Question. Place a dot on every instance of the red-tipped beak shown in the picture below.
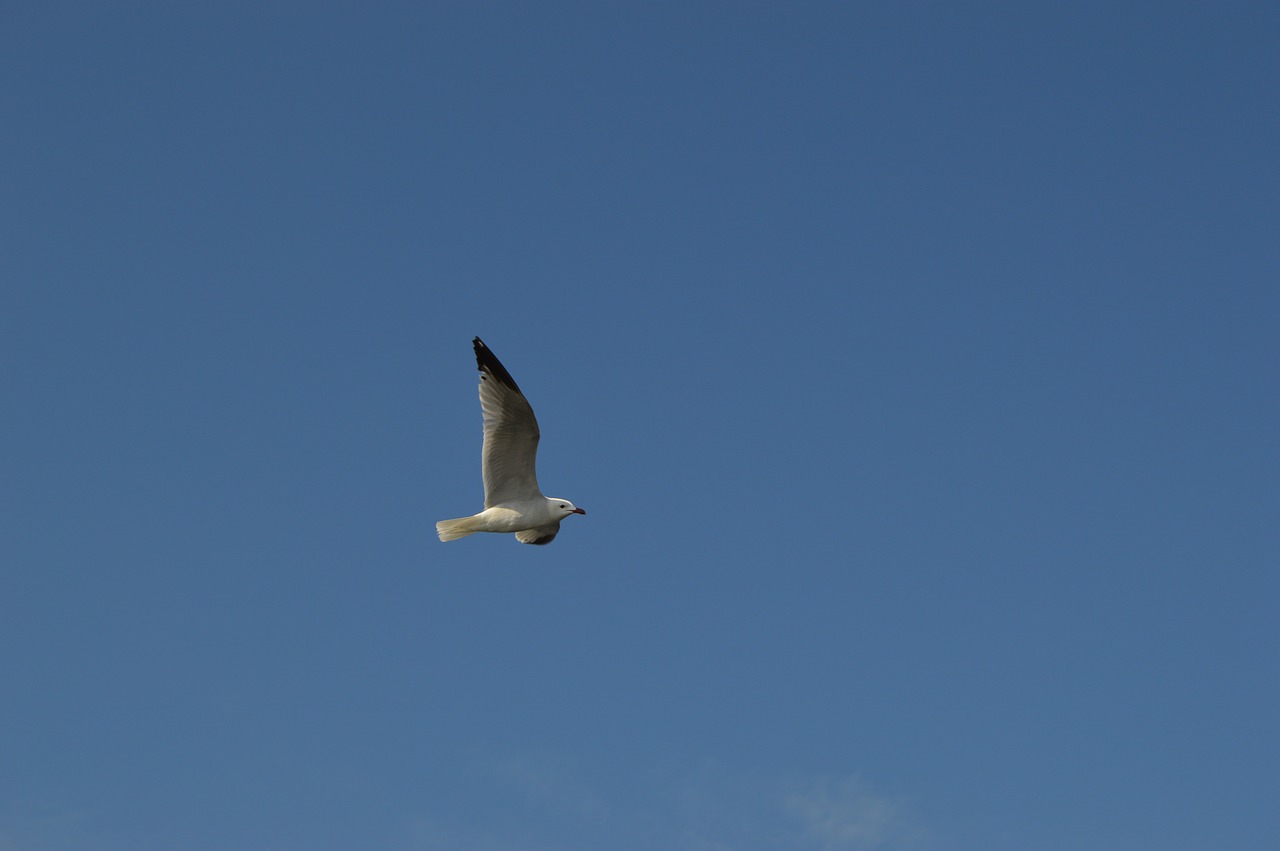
(579, 511)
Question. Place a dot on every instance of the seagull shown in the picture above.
(512, 501)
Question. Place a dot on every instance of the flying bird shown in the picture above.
(512, 501)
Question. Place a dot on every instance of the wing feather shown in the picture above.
(510, 434)
(541, 535)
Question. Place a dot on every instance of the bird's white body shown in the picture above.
(513, 503)
(516, 516)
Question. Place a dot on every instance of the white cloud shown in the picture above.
(851, 815)
(552, 781)
(544, 801)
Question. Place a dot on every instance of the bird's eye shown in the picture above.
(562, 505)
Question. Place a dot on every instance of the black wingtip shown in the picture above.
(489, 364)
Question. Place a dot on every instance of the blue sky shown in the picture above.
(915, 363)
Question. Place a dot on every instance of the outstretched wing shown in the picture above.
(510, 434)
(541, 535)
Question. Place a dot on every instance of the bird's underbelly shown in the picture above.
(499, 519)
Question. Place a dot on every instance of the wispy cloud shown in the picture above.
(552, 782)
(541, 801)
(851, 815)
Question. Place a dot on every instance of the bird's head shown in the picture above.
(564, 507)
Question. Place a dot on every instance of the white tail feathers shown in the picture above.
(451, 530)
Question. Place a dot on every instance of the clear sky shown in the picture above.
(915, 362)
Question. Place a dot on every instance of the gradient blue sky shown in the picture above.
(915, 362)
